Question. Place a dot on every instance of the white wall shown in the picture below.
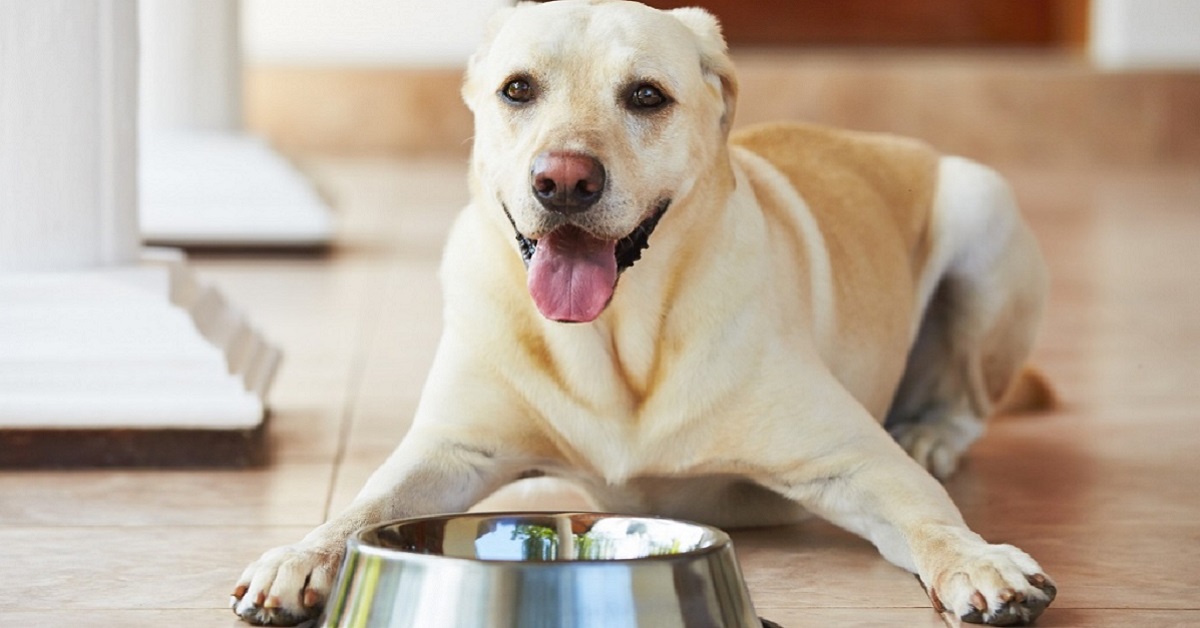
(1145, 33)
(364, 32)
(1124, 33)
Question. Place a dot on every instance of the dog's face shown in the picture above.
(591, 119)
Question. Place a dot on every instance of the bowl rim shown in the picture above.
(356, 543)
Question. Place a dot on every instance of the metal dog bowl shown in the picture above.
(540, 570)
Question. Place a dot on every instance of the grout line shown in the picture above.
(354, 382)
(368, 328)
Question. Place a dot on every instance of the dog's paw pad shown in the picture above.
(1001, 586)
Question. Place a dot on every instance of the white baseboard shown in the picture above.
(135, 347)
(215, 189)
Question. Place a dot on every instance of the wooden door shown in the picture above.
(905, 23)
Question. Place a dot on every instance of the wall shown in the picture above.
(1145, 33)
(423, 33)
(378, 76)
(442, 33)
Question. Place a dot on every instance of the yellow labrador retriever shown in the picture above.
(738, 330)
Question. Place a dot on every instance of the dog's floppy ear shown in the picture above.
(497, 20)
(714, 56)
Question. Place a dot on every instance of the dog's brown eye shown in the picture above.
(647, 97)
(518, 91)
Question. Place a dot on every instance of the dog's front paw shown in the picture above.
(287, 586)
(997, 585)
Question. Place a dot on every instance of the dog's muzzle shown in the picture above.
(628, 251)
(572, 274)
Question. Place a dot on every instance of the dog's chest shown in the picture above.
(614, 449)
(638, 400)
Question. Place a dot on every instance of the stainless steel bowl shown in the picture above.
(540, 570)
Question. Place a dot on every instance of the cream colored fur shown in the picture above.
(805, 286)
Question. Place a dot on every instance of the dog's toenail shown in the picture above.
(272, 602)
(937, 602)
(311, 598)
(978, 601)
(240, 591)
(262, 597)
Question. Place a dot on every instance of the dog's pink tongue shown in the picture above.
(572, 275)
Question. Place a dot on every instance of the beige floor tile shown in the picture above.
(817, 617)
(310, 307)
(292, 494)
(925, 618)
(397, 356)
(1066, 469)
(810, 565)
(391, 209)
(405, 332)
(1101, 565)
(145, 568)
(308, 409)
(1119, 618)
(125, 618)
(378, 426)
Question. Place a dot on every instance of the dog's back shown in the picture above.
(870, 196)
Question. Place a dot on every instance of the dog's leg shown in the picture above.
(290, 584)
(456, 454)
(985, 286)
(864, 482)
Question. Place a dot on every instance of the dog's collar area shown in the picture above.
(628, 251)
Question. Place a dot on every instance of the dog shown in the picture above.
(739, 329)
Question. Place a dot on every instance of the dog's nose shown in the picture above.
(567, 183)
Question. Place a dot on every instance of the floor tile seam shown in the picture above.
(368, 329)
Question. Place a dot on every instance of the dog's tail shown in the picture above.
(1030, 393)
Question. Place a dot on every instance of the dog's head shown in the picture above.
(591, 118)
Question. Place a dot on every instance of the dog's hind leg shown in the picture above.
(984, 286)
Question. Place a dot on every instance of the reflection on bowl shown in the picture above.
(540, 570)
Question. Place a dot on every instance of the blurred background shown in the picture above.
(1052, 82)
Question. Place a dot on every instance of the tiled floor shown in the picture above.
(1104, 491)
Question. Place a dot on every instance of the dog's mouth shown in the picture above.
(573, 274)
